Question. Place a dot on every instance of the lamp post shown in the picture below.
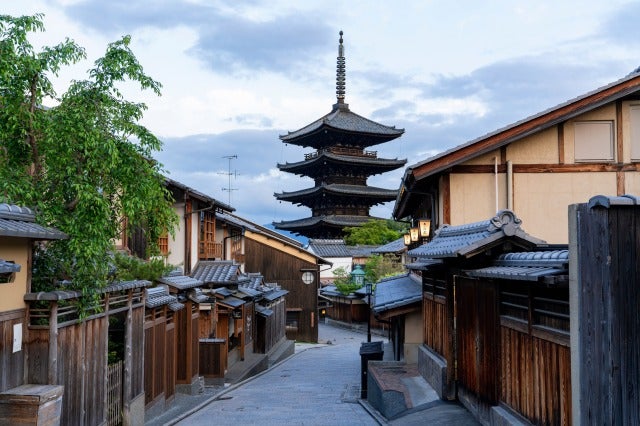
(368, 289)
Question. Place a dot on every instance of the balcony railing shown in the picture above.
(354, 152)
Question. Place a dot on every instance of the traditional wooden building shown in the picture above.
(535, 167)
(495, 305)
(284, 261)
(339, 166)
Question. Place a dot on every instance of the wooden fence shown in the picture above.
(66, 351)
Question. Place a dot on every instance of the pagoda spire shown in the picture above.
(341, 73)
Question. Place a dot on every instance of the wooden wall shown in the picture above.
(270, 330)
(285, 270)
(11, 363)
(187, 339)
(608, 335)
(159, 355)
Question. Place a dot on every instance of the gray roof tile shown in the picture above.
(396, 246)
(463, 240)
(180, 282)
(526, 266)
(397, 291)
(6, 267)
(329, 247)
(16, 221)
(216, 272)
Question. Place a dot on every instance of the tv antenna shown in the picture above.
(229, 189)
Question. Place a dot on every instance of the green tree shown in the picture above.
(380, 266)
(374, 232)
(343, 282)
(86, 163)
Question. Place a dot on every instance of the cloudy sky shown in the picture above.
(237, 74)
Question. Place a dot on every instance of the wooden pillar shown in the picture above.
(52, 373)
(128, 355)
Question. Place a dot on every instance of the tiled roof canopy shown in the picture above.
(467, 240)
(216, 272)
(16, 221)
(527, 266)
(329, 247)
(397, 291)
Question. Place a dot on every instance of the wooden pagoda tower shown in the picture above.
(340, 166)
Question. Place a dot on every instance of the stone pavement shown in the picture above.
(318, 385)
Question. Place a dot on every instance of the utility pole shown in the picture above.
(229, 174)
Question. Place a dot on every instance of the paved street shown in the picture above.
(317, 386)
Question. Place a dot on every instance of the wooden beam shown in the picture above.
(52, 373)
(619, 137)
(446, 200)
(548, 168)
(560, 128)
(620, 184)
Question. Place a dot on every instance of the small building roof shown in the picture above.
(329, 247)
(469, 239)
(396, 292)
(216, 272)
(548, 266)
(396, 246)
(180, 282)
(158, 296)
(361, 250)
(16, 221)
(8, 267)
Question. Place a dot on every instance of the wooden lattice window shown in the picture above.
(207, 244)
(163, 244)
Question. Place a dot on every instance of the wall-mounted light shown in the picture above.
(414, 232)
(407, 239)
(424, 225)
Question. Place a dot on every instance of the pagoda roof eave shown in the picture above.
(342, 120)
(341, 190)
(330, 220)
(364, 161)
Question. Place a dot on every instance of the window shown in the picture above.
(593, 141)
(163, 244)
(635, 132)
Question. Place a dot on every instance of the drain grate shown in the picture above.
(351, 393)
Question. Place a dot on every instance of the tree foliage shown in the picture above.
(343, 282)
(379, 266)
(374, 232)
(86, 163)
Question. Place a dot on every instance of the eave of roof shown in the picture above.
(341, 119)
(199, 195)
(527, 126)
(361, 191)
(331, 220)
(20, 222)
(364, 161)
(513, 132)
(398, 291)
(469, 239)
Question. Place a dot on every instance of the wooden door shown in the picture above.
(478, 338)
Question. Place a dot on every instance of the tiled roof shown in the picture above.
(332, 291)
(423, 264)
(275, 294)
(6, 266)
(335, 220)
(465, 240)
(158, 296)
(329, 248)
(396, 246)
(180, 282)
(216, 271)
(16, 221)
(231, 302)
(526, 266)
(353, 160)
(73, 294)
(342, 119)
(361, 250)
(341, 189)
(397, 291)
(196, 295)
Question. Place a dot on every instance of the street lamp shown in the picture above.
(357, 275)
(368, 289)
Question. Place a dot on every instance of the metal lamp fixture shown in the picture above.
(407, 239)
(424, 225)
(414, 232)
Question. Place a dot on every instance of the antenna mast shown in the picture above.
(229, 174)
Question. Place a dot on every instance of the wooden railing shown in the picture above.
(354, 152)
(210, 250)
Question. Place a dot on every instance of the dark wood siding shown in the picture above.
(608, 242)
(11, 363)
(285, 269)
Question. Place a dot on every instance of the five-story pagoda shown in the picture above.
(340, 166)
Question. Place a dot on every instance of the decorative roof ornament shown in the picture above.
(341, 73)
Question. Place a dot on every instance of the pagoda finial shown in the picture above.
(341, 73)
